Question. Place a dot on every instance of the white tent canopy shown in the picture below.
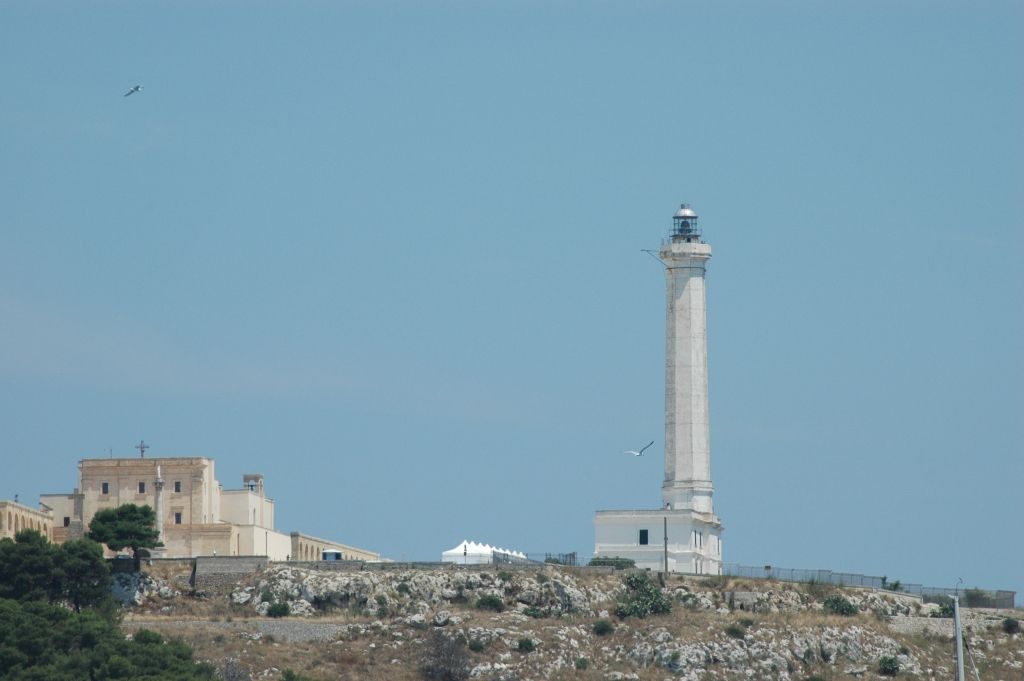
(472, 553)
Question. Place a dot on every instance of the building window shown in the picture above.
(67, 521)
(177, 518)
(142, 487)
(177, 486)
(105, 488)
(643, 537)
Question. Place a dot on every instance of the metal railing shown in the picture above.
(536, 559)
(975, 598)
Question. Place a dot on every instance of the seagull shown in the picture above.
(641, 452)
(135, 89)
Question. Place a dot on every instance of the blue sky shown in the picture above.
(388, 254)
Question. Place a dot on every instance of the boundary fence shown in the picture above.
(973, 598)
(535, 559)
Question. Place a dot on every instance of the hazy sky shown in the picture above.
(388, 255)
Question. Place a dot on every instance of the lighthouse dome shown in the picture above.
(685, 212)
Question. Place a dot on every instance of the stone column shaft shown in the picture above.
(687, 482)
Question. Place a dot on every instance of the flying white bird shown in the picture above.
(135, 89)
(641, 452)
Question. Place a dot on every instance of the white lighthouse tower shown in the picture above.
(685, 534)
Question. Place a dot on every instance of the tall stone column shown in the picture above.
(687, 484)
(158, 504)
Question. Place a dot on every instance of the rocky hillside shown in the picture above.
(556, 623)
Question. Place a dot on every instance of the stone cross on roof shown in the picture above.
(142, 447)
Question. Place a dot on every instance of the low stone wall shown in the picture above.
(930, 626)
(392, 566)
(173, 562)
(224, 571)
(325, 565)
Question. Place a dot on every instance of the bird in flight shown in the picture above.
(641, 452)
(137, 88)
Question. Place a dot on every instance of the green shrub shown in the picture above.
(477, 646)
(945, 611)
(582, 663)
(612, 562)
(267, 596)
(403, 588)
(888, 666)
(526, 645)
(896, 586)
(1011, 625)
(147, 637)
(603, 627)
(838, 605)
(490, 602)
(815, 677)
(382, 605)
(278, 610)
(534, 611)
(746, 622)
(735, 631)
(289, 675)
(642, 598)
(505, 576)
(542, 578)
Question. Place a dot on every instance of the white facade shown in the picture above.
(685, 529)
(242, 507)
(254, 540)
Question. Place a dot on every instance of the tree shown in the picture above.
(126, 527)
(86, 575)
(29, 568)
(41, 641)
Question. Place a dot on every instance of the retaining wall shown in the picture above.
(224, 571)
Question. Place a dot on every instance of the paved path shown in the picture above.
(289, 630)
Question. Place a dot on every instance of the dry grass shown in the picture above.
(218, 630)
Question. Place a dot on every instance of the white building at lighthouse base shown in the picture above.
(694, 539)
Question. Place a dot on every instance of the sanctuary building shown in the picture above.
(195, 515)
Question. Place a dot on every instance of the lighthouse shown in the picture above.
(684, 535)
